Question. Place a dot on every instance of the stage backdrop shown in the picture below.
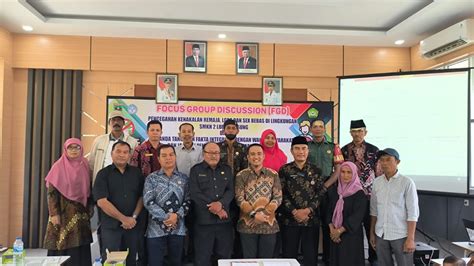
(207, 117)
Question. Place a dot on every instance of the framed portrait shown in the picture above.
(195, 56)
(246, 58)
(166, 88)
(272, 91)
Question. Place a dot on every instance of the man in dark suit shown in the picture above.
(246, 61)
(195, 60)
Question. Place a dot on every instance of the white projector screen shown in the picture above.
(424, 116)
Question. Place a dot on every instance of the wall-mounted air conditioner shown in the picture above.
(455, 37)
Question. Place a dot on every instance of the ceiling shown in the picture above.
(339, 22)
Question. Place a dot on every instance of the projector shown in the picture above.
(424, 253)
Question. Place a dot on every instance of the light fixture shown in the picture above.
(222, 36)
(399, 42)
(27, 28)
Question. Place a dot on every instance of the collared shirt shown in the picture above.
(234, 155)
(209, 185)
(325, 155)
(365, 157)
(123, 190)
(108, 153)
(185, 159)
(301, 188)
(394, 202)
(257, 192)
(163, 195)
(145, 157)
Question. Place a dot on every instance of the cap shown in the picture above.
(245, 48)
(388, 151)
(230, 122)
(116, 113)
(167, 80)
(196, 46)
(357, 124)
(299, 140)
(271, 84)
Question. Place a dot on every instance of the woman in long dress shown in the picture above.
(347, 205)
(68, 232)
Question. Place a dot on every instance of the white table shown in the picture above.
(259, 262)
(467, 246)
(43, 261)
(440, 261)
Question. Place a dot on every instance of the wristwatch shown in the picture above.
(252, 214)
(134, 216)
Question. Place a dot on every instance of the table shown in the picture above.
(440, 261)
(45, 260)
(259, 262)
(467, 246)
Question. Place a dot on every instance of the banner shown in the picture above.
(207, 117)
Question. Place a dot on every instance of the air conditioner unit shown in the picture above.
(450, 39)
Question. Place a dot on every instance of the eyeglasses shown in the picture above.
(71, 148)
(213, 153)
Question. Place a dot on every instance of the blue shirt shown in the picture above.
(163, 195)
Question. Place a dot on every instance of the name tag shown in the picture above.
(202, 175)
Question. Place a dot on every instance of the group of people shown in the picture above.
(224, 200)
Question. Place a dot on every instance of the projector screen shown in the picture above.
(425, 116)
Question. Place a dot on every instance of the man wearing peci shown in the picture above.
(246, 61)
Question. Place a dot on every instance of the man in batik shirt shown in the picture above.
(364, 155)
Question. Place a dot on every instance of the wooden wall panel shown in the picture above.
(221, 58)
(239, 81)
(6, 45)
(175, 56)
(420, 63)
(368, 60)
(127, 54)
(266, 63)
(15, 214)
(308, 60)
(51, 52)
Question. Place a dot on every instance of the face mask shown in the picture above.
(230, 136)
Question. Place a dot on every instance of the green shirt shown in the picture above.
(324, 155)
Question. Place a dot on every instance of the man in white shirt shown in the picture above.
(272, 97)
(394, 212)
(100, 154)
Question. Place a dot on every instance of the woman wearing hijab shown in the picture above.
(274, 157)
(68, 232)
(347, 205)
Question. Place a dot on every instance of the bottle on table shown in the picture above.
(18, 251)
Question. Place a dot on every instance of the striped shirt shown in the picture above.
(163, 195)
(394, 202)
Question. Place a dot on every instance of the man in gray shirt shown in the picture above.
(188, 153)
(394, 212)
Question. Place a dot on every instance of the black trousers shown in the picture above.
(366, 223)
(142, 224)
(307, 237)
(324, 210)
(119, 239)
(258, 245)
(213, 240)
(80, 256)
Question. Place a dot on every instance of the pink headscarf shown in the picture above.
(274, 157)
(71, 176)
(345, 190)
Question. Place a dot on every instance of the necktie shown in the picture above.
(245, 62)
(197, 61)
